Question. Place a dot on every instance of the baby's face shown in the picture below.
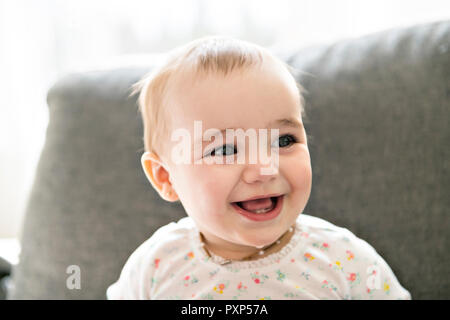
(254, 99)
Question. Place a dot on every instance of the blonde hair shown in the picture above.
(213, 54)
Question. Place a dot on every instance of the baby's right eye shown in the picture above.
(226, 150)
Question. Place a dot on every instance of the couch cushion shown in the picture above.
(91, 205)
(378, 113)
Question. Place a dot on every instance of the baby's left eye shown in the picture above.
(286, 140)
(222, 151)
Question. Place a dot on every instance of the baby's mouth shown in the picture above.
(259, 206)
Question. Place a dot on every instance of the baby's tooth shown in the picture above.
(262, 210)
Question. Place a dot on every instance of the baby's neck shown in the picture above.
(249, 253)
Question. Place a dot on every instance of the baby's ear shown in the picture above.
(158, 176)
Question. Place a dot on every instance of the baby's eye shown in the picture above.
(226, 149)
(286, 140)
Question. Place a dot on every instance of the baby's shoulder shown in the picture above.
(321, 232)
(340, 254)
(318, 227)
(172, 237)
(173, 232)
(136, 277)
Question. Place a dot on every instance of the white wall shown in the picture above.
(41, 40)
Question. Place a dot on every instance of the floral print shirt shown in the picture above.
(320, 261)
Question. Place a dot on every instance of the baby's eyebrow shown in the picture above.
(288, 122)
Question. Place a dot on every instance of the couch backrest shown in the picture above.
(378, 112)
(377, 116)
(90, 205)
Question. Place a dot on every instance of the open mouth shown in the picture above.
(260, 209)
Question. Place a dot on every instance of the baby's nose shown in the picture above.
(260, 172)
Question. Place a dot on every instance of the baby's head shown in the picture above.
(227, 83)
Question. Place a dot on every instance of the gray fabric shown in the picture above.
(378, 112)
(378, 124)
(91, 204)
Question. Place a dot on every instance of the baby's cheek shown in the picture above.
(215, 187)
(297, 169)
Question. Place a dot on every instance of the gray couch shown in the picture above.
(378, 121)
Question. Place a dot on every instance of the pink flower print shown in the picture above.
(189, 256)
(219, 288)
(370, 292)
(328, 285)
(304, 234)
(156, 263)
(308, 256)
(186, 280)
(259, 278)
(189, 280)
(241, 287)
(323, 247)
(350, 255)
(354, 279)
(351, 277)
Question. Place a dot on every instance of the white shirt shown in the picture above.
(321, 261)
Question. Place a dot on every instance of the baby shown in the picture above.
(245, 236)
